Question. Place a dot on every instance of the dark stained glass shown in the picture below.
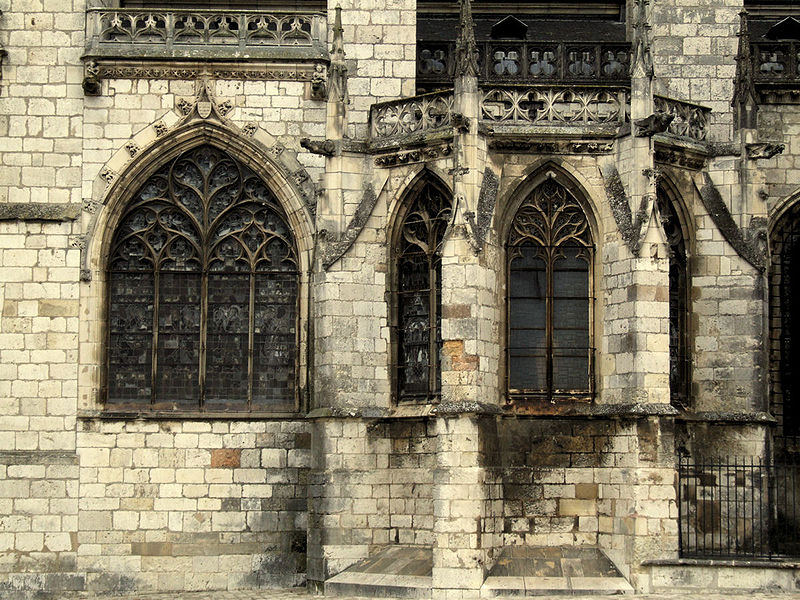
(678, 304)
(549, 253)
(419, 296)
(203, 289)
(785, 332)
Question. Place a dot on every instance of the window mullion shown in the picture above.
(549, 320)
(203, 335)
(433, 350)
(154, 350)
(251, 340)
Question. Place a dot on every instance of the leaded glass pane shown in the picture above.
(178, 378)
(275, 340)
(130, 351)
(205, 244)
(228, 340)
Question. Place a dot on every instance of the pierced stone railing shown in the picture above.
(552, 105)
(691, 120)
(411, 115)
(198, 33)
(531, 62)
(776, 62)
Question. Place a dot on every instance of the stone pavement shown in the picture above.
(298, 593)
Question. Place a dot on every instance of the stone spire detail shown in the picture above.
(642, 61)
(745, 99)
(337, 78)
(466, 48)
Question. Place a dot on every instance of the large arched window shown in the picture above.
(785, 330)
(678, 302)
(549, 257)
(202, 292)
(418, 291)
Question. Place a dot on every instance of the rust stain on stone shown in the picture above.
(226, 457)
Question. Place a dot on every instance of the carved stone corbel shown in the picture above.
(92, 85)
(324, 148)
(763, 150)
(658, 122)
(319, 83)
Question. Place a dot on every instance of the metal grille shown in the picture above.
(785, 331)
(549, 253)
(738, 508)
(678, 304)
(203, 292)
(419, 296)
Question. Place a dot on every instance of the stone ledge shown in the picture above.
(38, 457)
(129, 415)
(719, 562)
(727, 417)
(38, 211)
(582, 410)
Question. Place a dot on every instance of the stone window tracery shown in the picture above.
(418, 296)
(549, 256)
(202, 292)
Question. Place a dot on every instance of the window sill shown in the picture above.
(184, 415)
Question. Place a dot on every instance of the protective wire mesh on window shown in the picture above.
(203, 289)
(419, 296)
(549, 258)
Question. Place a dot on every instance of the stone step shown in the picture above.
(553, 571)
(375, 585)
(392, 572)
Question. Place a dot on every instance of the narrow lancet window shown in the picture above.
(419, 296)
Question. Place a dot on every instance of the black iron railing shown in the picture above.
(738, 508)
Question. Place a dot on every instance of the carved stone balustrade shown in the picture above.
(517, 62)
(555, 105)
(175, 43)
(410, 116)
(690, 120)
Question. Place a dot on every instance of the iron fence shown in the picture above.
(738, 508)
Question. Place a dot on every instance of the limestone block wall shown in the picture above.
(694, 44)
(603, 482)
(39, 496)
(728, 318)
(192, 504)
(411, 473)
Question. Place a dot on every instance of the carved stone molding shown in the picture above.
(550, 147)
(680, 157)
(414, 156)
(300, 72)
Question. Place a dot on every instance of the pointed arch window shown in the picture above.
(203, 292)
(550, 253)
(785, 330)
(678, 302)
(418, 295)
